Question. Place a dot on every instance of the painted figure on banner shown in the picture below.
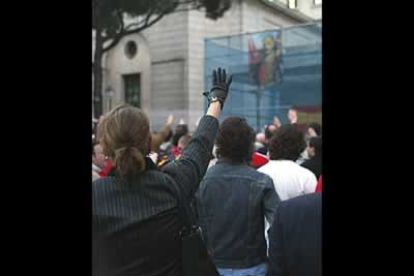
(265, 58)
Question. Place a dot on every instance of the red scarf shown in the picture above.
(106, 169)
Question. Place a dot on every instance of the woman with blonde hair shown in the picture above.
(136, 222)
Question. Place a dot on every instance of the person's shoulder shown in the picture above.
(160, 175)
(104, 184)
(306, 163)
(306, 172)
(213, 171)
(260, 174)
(213, 168)
(101, 180)
(266, 167)
(302, 202)
(304, 168)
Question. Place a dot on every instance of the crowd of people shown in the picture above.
(256, 196)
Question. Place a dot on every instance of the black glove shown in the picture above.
(220, 87)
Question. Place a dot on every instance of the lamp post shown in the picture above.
(109, 91)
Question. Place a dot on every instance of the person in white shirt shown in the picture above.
(290, 179)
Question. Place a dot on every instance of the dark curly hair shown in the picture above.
(287, 143)
(316, 143)
(235, 140)
(316, 127)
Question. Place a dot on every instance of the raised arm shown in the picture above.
(159, 138)
(189, 170)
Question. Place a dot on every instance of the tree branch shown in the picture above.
(115, 38)
(121, 20)
(120, 17)
(113, 43)
(118, 37)
(147, 25)
(134, 24)
(185, 2)
(186, 9)
(145, 21)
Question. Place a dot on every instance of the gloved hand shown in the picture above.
(220, 87)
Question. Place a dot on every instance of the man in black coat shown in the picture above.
(295, 243)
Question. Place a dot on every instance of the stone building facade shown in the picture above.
(162, 69)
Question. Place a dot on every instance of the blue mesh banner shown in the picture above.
(272, 72)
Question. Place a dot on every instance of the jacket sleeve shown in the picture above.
(191, 167)
(271, 201)
(275, 259)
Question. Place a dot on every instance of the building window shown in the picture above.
(293, 4)
(132, 88)
(131, 49)
(317, 2)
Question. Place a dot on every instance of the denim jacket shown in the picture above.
(232, 202)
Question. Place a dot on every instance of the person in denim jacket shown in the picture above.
(233, 201)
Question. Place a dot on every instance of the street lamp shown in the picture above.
(109, 91)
